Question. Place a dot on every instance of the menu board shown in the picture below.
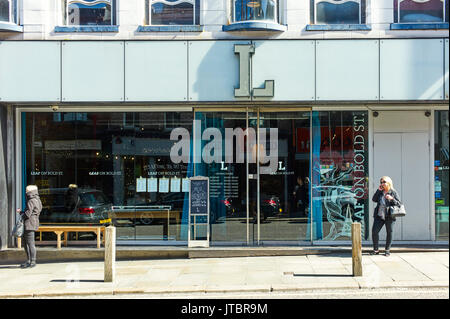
(198, 198)
(152, 185)
(163, 185)
(224, 185)
(141, 185)
(185, 185)
(175, 185)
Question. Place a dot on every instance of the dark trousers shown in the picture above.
(29, 245)
(378, 223)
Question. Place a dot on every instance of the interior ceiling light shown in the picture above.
(253, 4)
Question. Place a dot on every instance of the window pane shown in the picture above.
(164, 177)
(340, 174)
(430, 11)
(337, 13)
(285, 193)
(255, 10)
(4, 10)
(227, 190)
(180, 14)
(117, 160)
(50, 152)
(82, 14)
(441, 165)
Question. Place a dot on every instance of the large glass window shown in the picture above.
(306, 175)
(173, 12)
(339, 173)
(441, 176)
(121, 165)
(338, 11)
(420, 11)
(89, 12)
(248, 10)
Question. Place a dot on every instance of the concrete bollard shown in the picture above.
(110, 253)
(356, 250)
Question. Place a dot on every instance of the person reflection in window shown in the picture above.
(99, 16)
(300, 197)
(71, 200)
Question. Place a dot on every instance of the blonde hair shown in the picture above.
(73, 186)
(388, 181)
(31, 188)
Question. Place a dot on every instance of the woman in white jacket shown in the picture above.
(31, 224)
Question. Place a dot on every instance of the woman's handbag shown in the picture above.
(398, 211)
(18, 228)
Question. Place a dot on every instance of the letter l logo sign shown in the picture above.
(245, 51)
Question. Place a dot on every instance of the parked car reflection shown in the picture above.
(92, 207)
(270, 206)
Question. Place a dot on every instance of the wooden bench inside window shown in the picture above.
(59, 230)
(152, 212)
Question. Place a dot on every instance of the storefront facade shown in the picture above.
(157, 115)
(293, 131)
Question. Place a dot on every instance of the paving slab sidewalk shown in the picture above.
(234, 274)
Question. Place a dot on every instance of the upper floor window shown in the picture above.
(8, 11)
(420, 11)
(90, 12)
(173, 12)
(250, 10)
(338, 11)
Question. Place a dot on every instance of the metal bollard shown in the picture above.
(110, 254)
(356, 250)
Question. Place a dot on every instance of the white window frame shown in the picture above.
(419, 1)
(276, 12)
(151, 2)
(337, 2)
(69, 2)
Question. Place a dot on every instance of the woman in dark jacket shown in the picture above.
(31, 223)
(385, 197)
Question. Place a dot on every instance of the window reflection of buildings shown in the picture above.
(89, 13)
(338, 12)
(5, 10)
(427, 11)
(183, 12)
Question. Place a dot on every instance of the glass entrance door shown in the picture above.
(258, 162)
(220, 154)
(283, 175)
